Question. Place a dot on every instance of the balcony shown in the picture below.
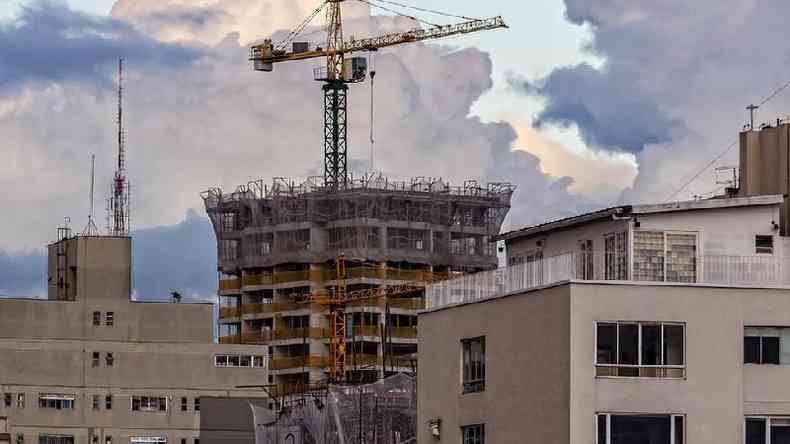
(227, 285)
(257, 279)
(232, 339)
(376, 331)
(229, 312)
(763, 271)
(408, 304)
(300, 361)
(274, 307)
(283, 334)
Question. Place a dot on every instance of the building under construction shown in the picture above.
(279, 243)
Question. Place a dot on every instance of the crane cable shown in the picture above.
(430, 11)
(730, 147)
(372, 84)
(370, 3)
(298, 30)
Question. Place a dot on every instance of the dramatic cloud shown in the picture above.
(48, 42)
(594, 101)
(216, 122)
(676, 78)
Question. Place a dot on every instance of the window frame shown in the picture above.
(761, 339)
(608, 416)
(698, 264)
(56, 401)
(96, 318)
(148, 407)
(480, 439)
(109, 318)
(472, 385)
(765, 250)
(767, 419)
(639, 365)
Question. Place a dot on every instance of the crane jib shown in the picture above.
(374, 43)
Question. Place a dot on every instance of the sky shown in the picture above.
(581, 103)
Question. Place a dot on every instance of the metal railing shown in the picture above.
(595, 266)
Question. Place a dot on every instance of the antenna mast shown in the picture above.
(119, 200)
(90, 229)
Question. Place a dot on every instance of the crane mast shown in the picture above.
(340, 71)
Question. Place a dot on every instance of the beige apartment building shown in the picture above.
(90, 365)
(644, 324)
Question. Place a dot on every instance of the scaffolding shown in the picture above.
(384, 412)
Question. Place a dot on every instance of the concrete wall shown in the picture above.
(228, 420)
(718, 391)
(527, 369)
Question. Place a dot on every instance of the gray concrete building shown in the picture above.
(278, 243)
(659, 324)
(90, 365)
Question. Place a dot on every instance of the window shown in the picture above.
(183, 441)
(96, 402)
(54, 401)
(197, 441)
(94, 439)
(97, 318)
(108, 402)
(197, 405)
(109, 318)
(184, 404)
(149, 403)
(108, 440)
(474, 434)
(766, 345)
(147, 440)
(95, 361)
(639, 429)
(474, 364)
(616, 256)
(7, 399)
(109, 359)
(229, 249)
(640, 349)
(55, 439)
(663, 256)
(764, 430)
(20, 439)
(252, 360)
(20, 400)
(585, 266)
(764, 244)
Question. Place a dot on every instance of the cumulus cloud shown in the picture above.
(49, 42)
(216, 122)
(676, 78)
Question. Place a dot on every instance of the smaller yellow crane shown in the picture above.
(339, 72)
(338, 299)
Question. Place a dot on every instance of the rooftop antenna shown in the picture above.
(119, 198)
(91, 229)
(752, 108)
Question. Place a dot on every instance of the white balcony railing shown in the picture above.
(720, 270)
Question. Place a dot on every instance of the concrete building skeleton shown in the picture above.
(90, 365)
(279, 243)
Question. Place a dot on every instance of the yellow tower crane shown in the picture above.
(339, 71)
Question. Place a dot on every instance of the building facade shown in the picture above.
(278, 244)
(659, 324)
(90, 365)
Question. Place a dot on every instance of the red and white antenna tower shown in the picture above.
(118, 218)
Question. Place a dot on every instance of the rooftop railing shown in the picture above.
(765, 270)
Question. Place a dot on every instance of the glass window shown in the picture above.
(764, 244)
(639, 429)
(257, 361)
(55, 401)
(197, 404)
(110, 318)
(642, 349)
(474, 364)
(184, 404)
(765, 430)
(95, 360)
(96, 402)
(663, 256)
(149, 403)
(616, 256)
(20, 400)
(221, 360)
(96, 318)
(110, 360)
(474, 434)
(55, 439)
(245, 361)
(766, 345)
(108, 403)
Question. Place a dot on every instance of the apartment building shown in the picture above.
(90, 365)
(659, 324)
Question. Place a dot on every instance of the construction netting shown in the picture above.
(384, 412)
